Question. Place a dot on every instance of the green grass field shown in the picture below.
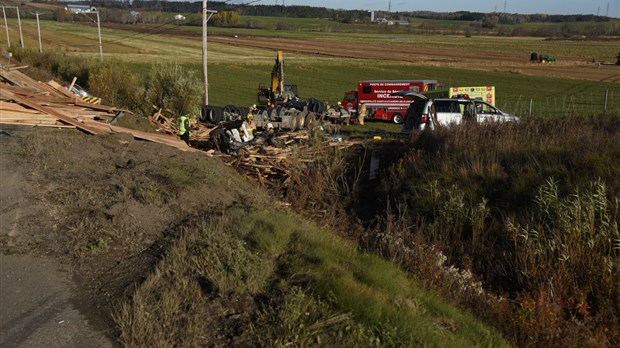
(235, 72)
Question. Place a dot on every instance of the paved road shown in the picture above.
(35, 310)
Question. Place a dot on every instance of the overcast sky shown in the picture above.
(512, 6)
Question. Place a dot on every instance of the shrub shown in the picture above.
(167, 86)
(117, 85)
(172, 88)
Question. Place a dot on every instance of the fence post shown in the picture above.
(531, 105)
(606, 96)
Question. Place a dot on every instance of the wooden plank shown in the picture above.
(72, 83)
(9, 106)
(22, 80)
(158, 138)
(50, 111)
(28, 92)
(13, 115)
(60, 89)
(38, 124)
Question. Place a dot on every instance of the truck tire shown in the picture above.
(310, 120)
(302, 119)
(204, 114)
(217, 114)
(271, 114)
(397, 119)
(210, 114)
(280, 111)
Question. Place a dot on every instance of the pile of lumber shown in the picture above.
(25, 101)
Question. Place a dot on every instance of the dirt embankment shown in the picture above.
(93, 214)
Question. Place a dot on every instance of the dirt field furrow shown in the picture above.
(465, 58)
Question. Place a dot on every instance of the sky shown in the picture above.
(512, 6)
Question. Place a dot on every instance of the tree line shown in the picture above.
(338, 14)
(230, 15)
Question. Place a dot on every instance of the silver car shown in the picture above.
(423, 112)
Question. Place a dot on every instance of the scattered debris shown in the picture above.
(25, 101)
(270, 159)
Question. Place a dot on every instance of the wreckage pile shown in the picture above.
(27, 102)
(272, 167)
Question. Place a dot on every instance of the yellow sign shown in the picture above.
(92, 100)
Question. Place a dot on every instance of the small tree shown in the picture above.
(618, 61)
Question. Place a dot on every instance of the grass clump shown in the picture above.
(99, 244)
(221, 255)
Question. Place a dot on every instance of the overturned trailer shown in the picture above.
(292, 115)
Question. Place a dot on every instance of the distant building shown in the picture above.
(80, 8)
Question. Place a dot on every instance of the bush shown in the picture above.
(117, 85)
(169, 87)
(172, 88)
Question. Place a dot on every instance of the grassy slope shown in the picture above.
(272, 253)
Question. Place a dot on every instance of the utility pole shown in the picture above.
(206, 15)
(607, 11)
(6, 26)
(39, 31)
(85, 13)
(19, 22)
(205, 75)
(99, 32)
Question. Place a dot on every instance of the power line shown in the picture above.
(160, 29)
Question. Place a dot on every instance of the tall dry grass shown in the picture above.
(531, 209)
(517, 221)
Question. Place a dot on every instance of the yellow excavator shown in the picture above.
(277, 92)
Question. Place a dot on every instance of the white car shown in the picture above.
(423, 113)
(79, 91)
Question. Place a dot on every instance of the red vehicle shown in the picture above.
(380, 104)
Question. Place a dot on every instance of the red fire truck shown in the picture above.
(380, 104)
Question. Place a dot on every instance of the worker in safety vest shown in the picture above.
(184, 129)
(248, 127)
(361, 113)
